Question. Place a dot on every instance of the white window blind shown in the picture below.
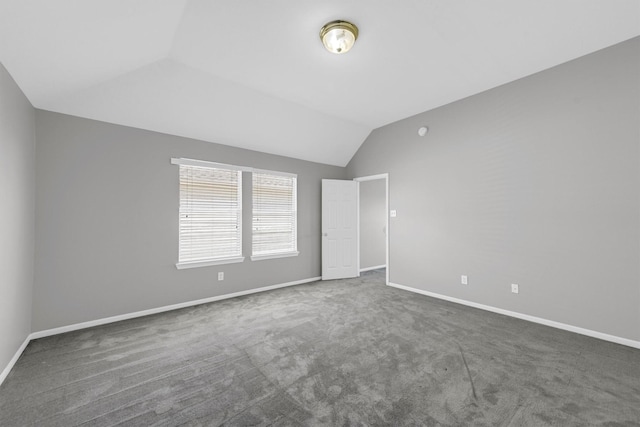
(274, 215)
(210, 230)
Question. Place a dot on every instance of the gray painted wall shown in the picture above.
(373, 223)
(107, 222)
(17, 190)
(536, 182)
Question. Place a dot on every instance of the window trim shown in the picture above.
(274, 255)
(281, 254)
(237, 259)
(207, 164)
(219, 260)
(276, 173)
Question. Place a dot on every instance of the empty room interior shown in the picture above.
(292, 213)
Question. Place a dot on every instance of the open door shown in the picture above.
(339, 229)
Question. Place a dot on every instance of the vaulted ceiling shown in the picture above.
(254, 74)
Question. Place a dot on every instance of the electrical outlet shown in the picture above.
(464, 280)
(221, 275)
(394, 213)
(514, 288)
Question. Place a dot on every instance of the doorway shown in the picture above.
(341, 226)
(373, 223)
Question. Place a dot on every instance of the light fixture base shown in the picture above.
(338, 36)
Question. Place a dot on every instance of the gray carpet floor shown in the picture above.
(345, 352)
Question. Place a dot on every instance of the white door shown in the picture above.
(339, 229)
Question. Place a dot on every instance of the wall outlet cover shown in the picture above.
(515, 288)
(464, 280)
(220, 275)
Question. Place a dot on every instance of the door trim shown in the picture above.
(384, 176)
(344, 231)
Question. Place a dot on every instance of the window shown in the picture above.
(274, 215)
(210, 215)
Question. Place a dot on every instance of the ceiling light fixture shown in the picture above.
(338, 36)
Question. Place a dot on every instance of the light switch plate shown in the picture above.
(393, 213)
(464, 280)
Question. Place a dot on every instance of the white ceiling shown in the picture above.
(254, 74)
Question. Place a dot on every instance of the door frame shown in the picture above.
(384, 176)
(347, 226)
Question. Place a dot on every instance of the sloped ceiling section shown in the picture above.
(254, 74)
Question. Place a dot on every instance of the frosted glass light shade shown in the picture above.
(339, 36)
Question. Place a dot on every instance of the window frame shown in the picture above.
(276, 254)
(235, 258)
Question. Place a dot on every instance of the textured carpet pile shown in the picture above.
(345, 352)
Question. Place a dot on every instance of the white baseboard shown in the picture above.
(83, 325)
(14, 359)
(552, 323)
(104, 321)
(376, 267)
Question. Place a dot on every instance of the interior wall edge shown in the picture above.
(375, 267)
(113, 319)
(142, 313)
(114, 190)
(546, 322)
(535, 182)
(17, 218)
(14, 359)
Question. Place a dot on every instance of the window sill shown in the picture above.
(273, 256)
(181, 266)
